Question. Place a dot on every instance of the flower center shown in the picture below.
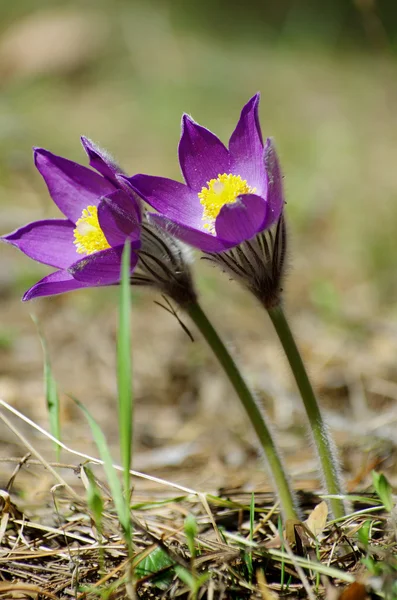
(88, 234)
(223, 190)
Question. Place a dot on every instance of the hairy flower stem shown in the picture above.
(251, 406)
(319, 430)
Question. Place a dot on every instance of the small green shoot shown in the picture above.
(383, 489)
(364, 533)
(192, 581)
(318, 576)
(124, 378)
(248, 554)
(51, 391)
(191, 530)
(386, 573)
(103, 593)
(280, 532)
(95, 504)
(372, 565)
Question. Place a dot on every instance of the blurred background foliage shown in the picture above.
(332, 22)
(122, 72)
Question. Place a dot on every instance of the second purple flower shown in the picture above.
(101, 215)
(231, 194)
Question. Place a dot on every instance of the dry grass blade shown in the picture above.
(97, 461)
(25, 588)
(61, 559)
(58, 554)
(33, 451)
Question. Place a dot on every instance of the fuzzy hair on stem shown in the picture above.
(322, 439)
(329, 443)
(253, 410)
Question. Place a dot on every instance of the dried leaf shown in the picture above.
(317, 519)
(274, 542)
(290, 530)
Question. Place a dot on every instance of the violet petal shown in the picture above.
(202, 155)
(194, 237)
(171, 198)
(119, 218)
(275, 192)
(241, 220)
(246, 147)
(49, 241)
(100, 160)
(71, 186)
(101, 268)
(55, 283)
(123, 183)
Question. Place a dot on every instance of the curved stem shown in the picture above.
(252, 409)
(325, 447)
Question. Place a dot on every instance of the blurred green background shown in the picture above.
(123, 72)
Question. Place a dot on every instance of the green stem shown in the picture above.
(254, 412)
(321, 436)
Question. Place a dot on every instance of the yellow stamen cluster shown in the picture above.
(88, 234)
(223, 190)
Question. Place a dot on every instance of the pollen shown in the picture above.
(88, 234)
(218, 192)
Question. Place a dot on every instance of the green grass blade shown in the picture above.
(282, 577)
(51, 392)
(124, 378)
(251, 537)
(383, 489)
(52, 400)
(94, 499)
(96, 506)
(252, 516)
(157, 503)
(121, 504)
(186, 577)
(191, 530)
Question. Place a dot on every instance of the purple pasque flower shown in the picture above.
(231, 194)
(101, 214)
